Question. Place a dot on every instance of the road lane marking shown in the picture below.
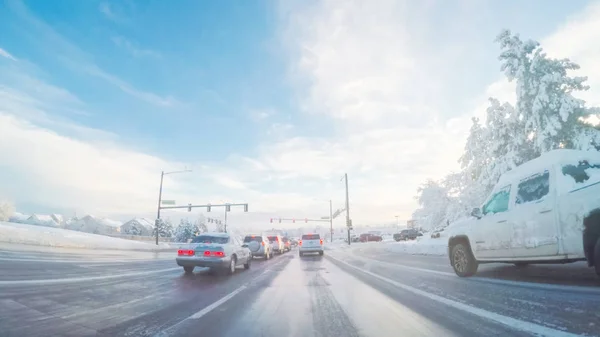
(524, 284)
(82, 279)
(513, 323)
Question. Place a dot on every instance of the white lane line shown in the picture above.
(532, 328)
(524, 284)
(202, 312)
(83, 260)
(82, 279)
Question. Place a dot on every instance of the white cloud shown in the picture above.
(6, 54)
(360, 64)
(134, 50)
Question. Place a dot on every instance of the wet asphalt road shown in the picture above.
(359, 291)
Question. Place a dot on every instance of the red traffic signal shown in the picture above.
(271, 220)
(294, 220)
(306, 220)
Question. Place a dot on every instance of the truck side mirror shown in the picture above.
(476, 212)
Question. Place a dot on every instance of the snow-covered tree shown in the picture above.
(165, 229)
(186, 230)
(134, 230)
(433, 201)
(550, 115)
(201, 224)
(7, 209)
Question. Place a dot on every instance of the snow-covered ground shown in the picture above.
(57, 237)
(423, 245)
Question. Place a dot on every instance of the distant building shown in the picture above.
(91, 224)
(138, 226)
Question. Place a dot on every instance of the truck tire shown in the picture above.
(597, 257)
(463, 261)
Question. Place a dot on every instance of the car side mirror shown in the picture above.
(476, 212)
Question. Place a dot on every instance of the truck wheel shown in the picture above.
(462, 260)
(597, 257)
(188, 269)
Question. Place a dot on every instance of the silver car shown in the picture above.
(259, 246)
(217, 251)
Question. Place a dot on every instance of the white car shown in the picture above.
(545, 211)
(310, 243)
(277, 244)
(217, 251)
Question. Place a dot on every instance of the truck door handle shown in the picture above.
(545, 210)
(501, 221)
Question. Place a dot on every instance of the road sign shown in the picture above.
(167, 202)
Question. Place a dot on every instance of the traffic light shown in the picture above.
(294, 220)
(189, 207)
(227, 208)
(208, 208)
(246, 208)
(271, 220)
(279, 220)
(306, 220)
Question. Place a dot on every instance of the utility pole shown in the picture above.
(157, 222)
(331, 219)
(348, 221)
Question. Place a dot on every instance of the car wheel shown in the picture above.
(247, 264)
(462, 260)
(188, 270)
(232, 264)
(597, 257)
(321, 253)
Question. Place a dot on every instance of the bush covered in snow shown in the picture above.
(186, 230)
(6, 210)
(165, 229)
(546, 116)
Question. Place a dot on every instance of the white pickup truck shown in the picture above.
(544, 211)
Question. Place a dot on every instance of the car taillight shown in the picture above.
(217, 254)
(321, 241)
(300, 243)
(263, 243)
(189, 252)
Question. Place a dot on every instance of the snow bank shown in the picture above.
(58, 237)
(422, 245)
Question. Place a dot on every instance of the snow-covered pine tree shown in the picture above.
(550, 115)
(186, 230)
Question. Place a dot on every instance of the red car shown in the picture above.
(370, 237)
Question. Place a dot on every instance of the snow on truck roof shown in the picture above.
(547, 159)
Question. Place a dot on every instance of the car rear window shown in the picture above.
(273, 238)
(310, 237)
(253, 238)
(210, 239)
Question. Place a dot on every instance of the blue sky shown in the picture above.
(268, 102)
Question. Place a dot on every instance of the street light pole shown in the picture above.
(226, 220)
(162, 175)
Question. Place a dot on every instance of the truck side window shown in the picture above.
(533, 188)
(498, 202)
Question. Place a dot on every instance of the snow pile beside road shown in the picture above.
(423, 245)
(57, 237)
